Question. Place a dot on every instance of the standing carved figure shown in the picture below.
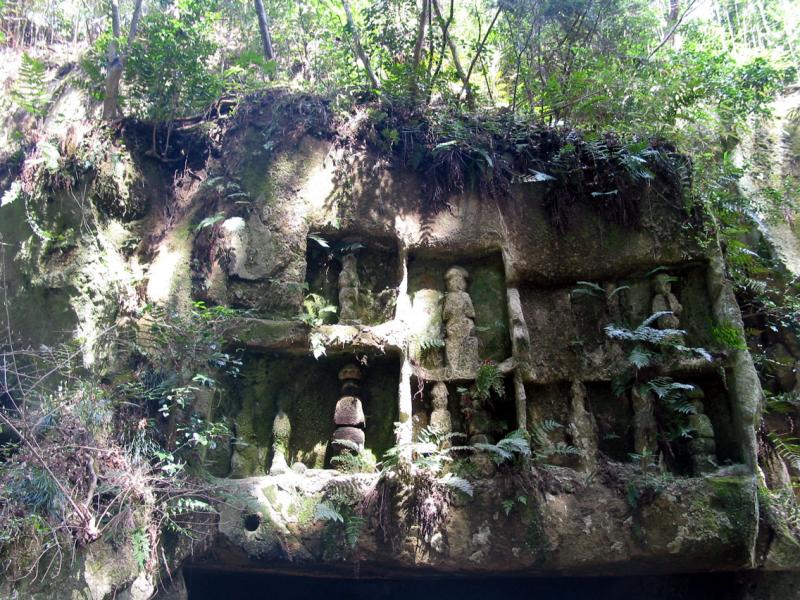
(645, 429)
(281, 432)
(665, 300)
(348, 289)
(702, 446)
(349, 414)
(461, 345)
(440, 416)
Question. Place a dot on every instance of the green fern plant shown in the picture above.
(515, 445)
(488, 382)
(316, 310)
(589, 288)
(787, 446)
(30, 91)
(428, 346)
(543, 447)
(661, 339)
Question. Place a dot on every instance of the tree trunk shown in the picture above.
(453, 50)
(263, 27)
(479, 50)
(113, 68)
(423, 21)
(359, 49)
(116, 59)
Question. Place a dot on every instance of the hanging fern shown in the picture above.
(515, 444)
(544, 447)
(458, 483)
(787, 447)
(488, 382)
(325, 511)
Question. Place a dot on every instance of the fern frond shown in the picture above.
(640, 357)
(458, 483)
(324, 511)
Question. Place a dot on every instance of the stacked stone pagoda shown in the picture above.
(349, 414)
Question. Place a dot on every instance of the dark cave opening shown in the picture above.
(210, 584)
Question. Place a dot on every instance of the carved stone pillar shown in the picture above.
(348, 289)
(440, 416)
(645, 433)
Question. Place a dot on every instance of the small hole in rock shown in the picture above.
(252, 521)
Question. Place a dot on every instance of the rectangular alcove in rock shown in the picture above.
(614, 418)
(487, 289)
(567, 322)
(376, 265)
(497, 417)
(306, 390)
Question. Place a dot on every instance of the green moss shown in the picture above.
(488, 292)
(305, 508)
(733, 496)
(536, 538)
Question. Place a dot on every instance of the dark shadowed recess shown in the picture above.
(218, 585)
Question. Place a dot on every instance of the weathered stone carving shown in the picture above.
(665, 300)
(461, 344)
(440, 416)
(702, 446)
(582, 427)
(348, 289)
(349, 413)
(281, 432)
(645, 430)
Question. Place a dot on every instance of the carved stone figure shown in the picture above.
(582, 427)
(644, 421)
(702, 446)
(349, 413)
(348, 289)
(281, 432)
(461, 345)
(440, 416)
(665, 300)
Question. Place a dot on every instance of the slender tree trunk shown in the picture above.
(423, 21)
(116, 59)
(114, 67)
(263, 27)
(445, 25)
(480, 49)
(359, 49)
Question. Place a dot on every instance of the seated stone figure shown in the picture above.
(461, 345)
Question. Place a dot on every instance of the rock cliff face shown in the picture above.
(608, 429)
